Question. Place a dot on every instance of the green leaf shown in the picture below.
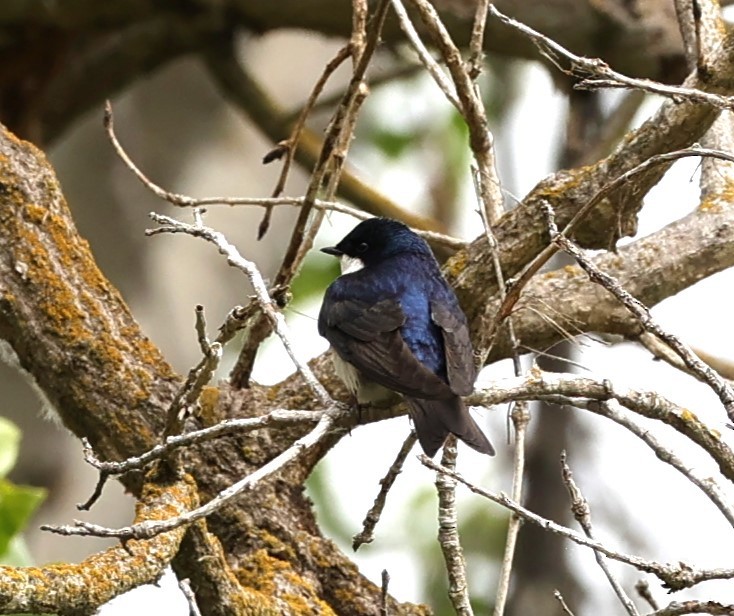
(9, 442)
(17, 504)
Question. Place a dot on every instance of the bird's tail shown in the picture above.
(434, 420)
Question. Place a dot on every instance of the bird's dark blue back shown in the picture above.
(414, 281)
(397, 324)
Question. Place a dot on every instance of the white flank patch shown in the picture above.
(350, 265)
(348, 374)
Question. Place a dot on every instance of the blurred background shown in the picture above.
(411, 146)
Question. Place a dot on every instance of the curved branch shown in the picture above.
(84, 587)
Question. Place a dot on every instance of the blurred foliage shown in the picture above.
(500, 85)
(317, 273)
(17, 503)
(331, 521)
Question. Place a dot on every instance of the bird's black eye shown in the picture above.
(362, 247)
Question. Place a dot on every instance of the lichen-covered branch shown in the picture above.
(82, 588)
(72, 333)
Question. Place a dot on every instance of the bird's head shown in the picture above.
(375, 240)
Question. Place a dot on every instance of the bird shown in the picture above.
(396, 327)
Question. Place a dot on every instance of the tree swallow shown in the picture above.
(396, 326)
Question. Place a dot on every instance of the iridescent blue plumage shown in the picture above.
(396, 322)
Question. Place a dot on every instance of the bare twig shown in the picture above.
(186, 397)
(148, 529)
(290, 145)
(707, 485)
(448, 532)
(675, 577)
(181, 200)
(366, 535)
(434, 70)
(276, 417)
(325, 176)
(559, 597)
(198, 377)
(476, 43)
(681, 608)
(595, 73)
(722, 389)
(532, 268)
(185, 586)
(539, 385)
(472, 108)
(235, 259)
(582, 512)
(643, 589)
(383, 593)
(520, 419)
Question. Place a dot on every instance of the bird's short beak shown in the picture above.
(332, 250)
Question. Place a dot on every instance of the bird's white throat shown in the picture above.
(349, 265)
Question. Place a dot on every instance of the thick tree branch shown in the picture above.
(73, 334)
(84, 587)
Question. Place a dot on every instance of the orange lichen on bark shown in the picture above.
(103, 576)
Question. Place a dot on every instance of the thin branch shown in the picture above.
(185, 586)
(248, 96)
(367, 534)
(324, 177)
(186, 397)
(389, 75)
(674, 577)
(539, 385)
(448, 533)
(476, 43)
(520, 419)
(481, 140)
(532, 268)
(659, 350)
(290, 145)
(198, 377)
(181, 200)
(707, 485)
(722, 389)
(582, 512)
(434, 70)
(235, 259)
(595, 73)
(148, 529)
(228, 427)
(562, 602)
(643, 589)
(713, 608)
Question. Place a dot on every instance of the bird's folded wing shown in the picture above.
(460, 367)
(368, 337)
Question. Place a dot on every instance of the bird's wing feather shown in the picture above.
(368, 336)
(460, 367)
